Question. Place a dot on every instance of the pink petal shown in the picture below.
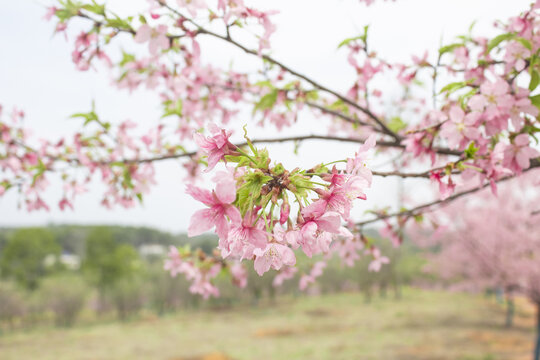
(226, 191)
(234, 214)
(287, 255)
(456, 114)
(522, 140)
(143, 34)
(222, 227)
(201, 221)
(314, 209)
(262, 264)
(308, 230)
(199, 194)
(330, 222)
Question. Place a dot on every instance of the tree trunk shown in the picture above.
(397, 289)
(499, 295)
(537, 346)
(510, 310)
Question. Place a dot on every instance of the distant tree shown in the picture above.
(494, 244)
(12, 303)
(23, 257)
(65, 296)
(107, 262)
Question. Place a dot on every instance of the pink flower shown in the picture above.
(376, 264)
(175, 265)
(85, 39)
(274, 255)
(420, 143)
(215, 147)
(201, 282)
(460, 129)
(517, 156)
(239, 275)
(65, 203)
(522, 105)
(315, 234)
(347, 246)
(445, 189)
(192, 5)
(285, 211)
(339, 197)
(315, 272)
(358, 164)
(494, 99)
(157, 37)
(51, 11)
(244, 237)
(515, 56)
(219, 202)
(286, 273)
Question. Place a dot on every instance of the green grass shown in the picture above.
(422, 325)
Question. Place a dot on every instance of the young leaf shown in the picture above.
(499, 39)
(535, 79)
(267, 101)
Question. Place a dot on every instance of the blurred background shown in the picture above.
(100, 292)
(90, 284)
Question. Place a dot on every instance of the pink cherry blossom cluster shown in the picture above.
(491, 242)
(28, 163)
(260, 227)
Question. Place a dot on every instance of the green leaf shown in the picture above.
(498, 39)
(126, 58)
(41, 168)
(362, 37)
(301, 183)
(452, 87)
(535, 79)
(264, 83)
(524, 42)
(312, 95)
(172, 109)
(127, 182)
(267, 101)
(396, 124)
(250, 192)
(449, 48)
(535, 100)
(349, 40)
(69, 9)
(119, 23)
(248, 140)
(88, 117)
(471, 150)
(95, 8)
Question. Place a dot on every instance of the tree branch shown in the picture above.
(229, 39)
(417, 210)
(386, 144)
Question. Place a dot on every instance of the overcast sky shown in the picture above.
(37, 75)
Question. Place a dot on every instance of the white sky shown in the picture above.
(37, 75)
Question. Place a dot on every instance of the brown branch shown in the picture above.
(424, 174)
(229, 39)
(437, 203)
(336, 113)
(386, 144)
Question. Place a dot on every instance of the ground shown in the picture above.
(421, 325)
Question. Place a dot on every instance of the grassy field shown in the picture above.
(422, 325)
